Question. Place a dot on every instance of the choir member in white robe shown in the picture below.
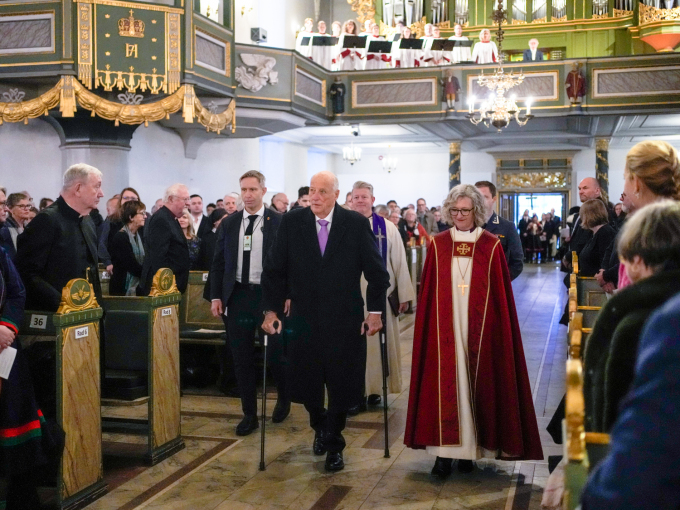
(375, 60)
(459, 53)
(348, 59)
(394, 256)
(322, 54)
(485, 51)
(437, 56)
(336, 30)
(426, 54)
(368, 27)
(307, 31)
(403, 57)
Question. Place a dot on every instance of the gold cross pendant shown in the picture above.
(462, 288)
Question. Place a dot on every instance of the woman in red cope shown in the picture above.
(470, 395)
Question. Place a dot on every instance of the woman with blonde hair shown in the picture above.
(652, 173)
(193, 242)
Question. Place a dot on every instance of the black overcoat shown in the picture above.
(165, 246)
(325, 344)
(56, 246)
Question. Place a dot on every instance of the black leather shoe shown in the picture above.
(359, 408)
(442, 468)
(374, 400)
(334, 462)
(248, 425)
(318, 446)
(281, 411)
(465, 466)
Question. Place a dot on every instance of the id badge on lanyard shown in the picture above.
(247, 243)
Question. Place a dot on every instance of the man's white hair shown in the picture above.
(173, 190)
(78, 173)
(363, 185)
(334, 179)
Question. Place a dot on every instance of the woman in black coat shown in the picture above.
(594, 217)
(650, 251)
(127, 251)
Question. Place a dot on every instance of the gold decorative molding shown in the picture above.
(517, 22)
(76, 296)
(172, 51)
(163, 283)
(619, 13)
(132, 5)
(602, 144)
(650, 13)
(418, 28)
(85, 44)
(600, 16)
(534, 180)
(32, 108)
(575, 412)
(560, 19)
(540, 20)
(454, 148)
(365, 9)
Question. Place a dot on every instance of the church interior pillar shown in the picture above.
(97, 142)
(454, 164)
(602, 165)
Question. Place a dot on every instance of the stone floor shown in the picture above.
(219, 471)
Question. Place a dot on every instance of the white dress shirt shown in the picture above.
(328, 218)
(196, 222)
(255, 247)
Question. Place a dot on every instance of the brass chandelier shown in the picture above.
(498, 110)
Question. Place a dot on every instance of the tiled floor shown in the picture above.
(219, 471)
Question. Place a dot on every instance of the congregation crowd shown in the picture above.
(336, 275)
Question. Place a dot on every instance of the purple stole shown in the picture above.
(380, 231)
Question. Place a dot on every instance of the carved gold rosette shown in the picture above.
(533, 180)
(76, 296)
(163, 283)
(69, 92)
(619, 13)
(365, 9)
(650, 13)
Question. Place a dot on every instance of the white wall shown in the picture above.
(583, 165)
(617, 162)
(280, 18)
(22, 167)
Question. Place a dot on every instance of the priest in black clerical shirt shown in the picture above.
(60, 243)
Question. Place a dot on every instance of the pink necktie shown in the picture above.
(323, 235)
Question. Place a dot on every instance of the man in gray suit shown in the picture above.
(426, 218)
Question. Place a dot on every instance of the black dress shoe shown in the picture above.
(359, 408)
(374, 400)
(248, 425)
(442, 468)
(334, 461)
(465, 466)
(281, 411)
(318, 446)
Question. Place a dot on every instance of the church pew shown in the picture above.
(575, 336)
(196, 322)
(104, 279)
(588, 291)
(73, 332)
(589, 314)
(143, 345)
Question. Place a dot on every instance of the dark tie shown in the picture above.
(245, 271)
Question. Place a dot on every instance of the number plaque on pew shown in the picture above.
(74, 329)
(142, 346)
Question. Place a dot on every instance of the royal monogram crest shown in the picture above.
(131, 27)
(463, 249)
(163, 283)
(76, 296)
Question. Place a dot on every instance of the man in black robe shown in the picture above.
(60, 243)
(317, 260)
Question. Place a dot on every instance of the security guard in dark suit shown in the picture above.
(503, 229)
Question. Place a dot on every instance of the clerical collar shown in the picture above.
(465, 231)
(68, 210)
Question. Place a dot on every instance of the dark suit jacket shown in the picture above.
(327, 309)
(223, 269)
(57, 246)
(526, 56)
(166, 247)
(124, 262)
(204, 227)
(642, 469)
(6, 241)
(512, 246)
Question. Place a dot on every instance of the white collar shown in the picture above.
(328, 218)
(258, 213)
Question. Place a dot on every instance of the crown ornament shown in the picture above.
(130, 27)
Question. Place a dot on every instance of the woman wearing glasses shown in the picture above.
(466, 324)
(19, 207)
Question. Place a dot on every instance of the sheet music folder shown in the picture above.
(324, 40)
(380, 47)
(354, 41)
(411, 44)
(305, 41)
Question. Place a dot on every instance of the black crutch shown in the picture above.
(264, 398)
(384, 366)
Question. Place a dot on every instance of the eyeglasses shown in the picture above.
(463, 212)
(25, 206)
(129, 198)
(185, 200)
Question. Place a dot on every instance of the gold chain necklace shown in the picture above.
(462, 286)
